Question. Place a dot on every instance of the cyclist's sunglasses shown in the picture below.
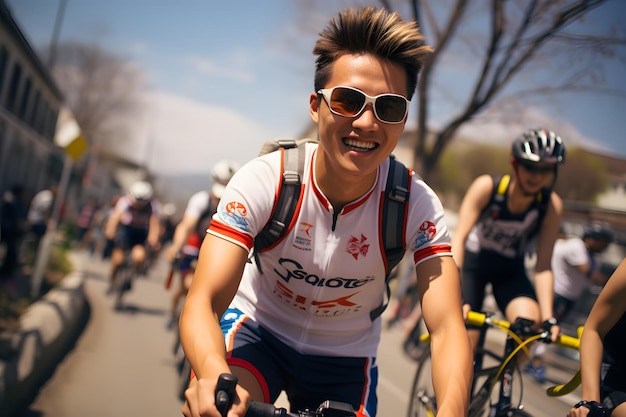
(350, 102)
(537, 169)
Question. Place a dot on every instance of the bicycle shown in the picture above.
(182, 364)
(487, 377)
(123, 280)
(225, 391)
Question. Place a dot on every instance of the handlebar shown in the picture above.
(480, 319)
(225, 391)
(476, 318)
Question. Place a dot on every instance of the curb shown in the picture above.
(48, 330)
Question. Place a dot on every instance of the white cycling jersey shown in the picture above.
(320, 282)
(567, 256)
(198, 203)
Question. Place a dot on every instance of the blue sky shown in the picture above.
(227, 75)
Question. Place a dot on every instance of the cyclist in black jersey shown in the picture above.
(497, 220)
(133, 224)
(602, 348)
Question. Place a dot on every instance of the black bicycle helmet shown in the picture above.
(539, 146)
(599, 231)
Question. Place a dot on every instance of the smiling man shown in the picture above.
(304, 324)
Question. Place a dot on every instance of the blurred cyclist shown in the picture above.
(133, 224)
(190, 232)
(576, 267)
(496, 222)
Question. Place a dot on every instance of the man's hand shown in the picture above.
(551, 325)
(466, 309)
(172, 253)
(200, 400)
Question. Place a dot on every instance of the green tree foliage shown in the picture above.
(582, 177)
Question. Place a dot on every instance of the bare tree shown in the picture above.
(518, 36)
(102, 90)
(511, 54)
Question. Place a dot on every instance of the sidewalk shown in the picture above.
(47, 331)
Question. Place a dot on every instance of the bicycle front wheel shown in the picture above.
(123, 282)
(422, 403)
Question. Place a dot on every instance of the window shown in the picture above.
(21, 111)
(4, 60)
(13, 87)
(51, 123)
(40, 120)
(34, 109)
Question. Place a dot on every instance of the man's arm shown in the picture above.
(475, 200)
(154, 231)
(544, 278)
(181, 234)
(439, 286)
(606, 311)
(218, 273)
(112, 223)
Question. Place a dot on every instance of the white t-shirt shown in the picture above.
(197, 204)
(40, 207)
(567, 255)
(321, 281)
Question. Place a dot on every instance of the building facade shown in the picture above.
(29, 109)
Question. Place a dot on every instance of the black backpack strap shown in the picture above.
(287, 203)
(393, 222)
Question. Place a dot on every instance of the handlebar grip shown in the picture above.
(260, 409)
(568, 341)
(475, 318)
(225, 392)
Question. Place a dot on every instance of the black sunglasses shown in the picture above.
(537, 169)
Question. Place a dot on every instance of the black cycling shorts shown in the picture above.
(507, 277)
(128, 237)
(613, 386)
(308, 380)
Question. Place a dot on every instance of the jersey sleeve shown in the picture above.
(576, 253)
(197, 204)
(247, 203)
(122, 204)
(427, 231)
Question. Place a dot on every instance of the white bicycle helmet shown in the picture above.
(141, 191)
(539, 146)
(221, 173)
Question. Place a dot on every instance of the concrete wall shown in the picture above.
(48, 329)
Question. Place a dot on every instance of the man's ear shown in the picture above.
(314, 102)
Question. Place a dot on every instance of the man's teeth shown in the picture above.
(359, 145)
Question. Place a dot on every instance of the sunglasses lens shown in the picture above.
(346, 101)
(350, 102)
(537, 168)
(390, 108)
